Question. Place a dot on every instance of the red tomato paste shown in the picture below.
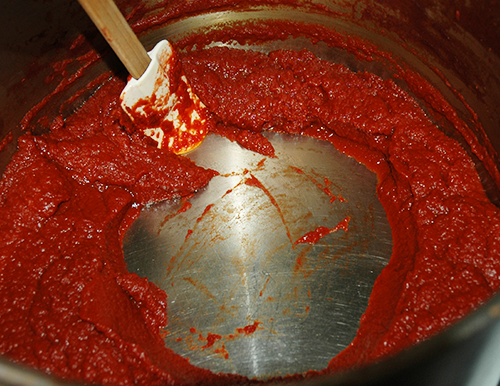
(69, 305)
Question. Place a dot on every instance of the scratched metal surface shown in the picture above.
(229, 260)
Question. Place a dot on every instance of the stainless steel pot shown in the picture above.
(427, 36)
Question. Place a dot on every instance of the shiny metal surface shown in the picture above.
(230, 260)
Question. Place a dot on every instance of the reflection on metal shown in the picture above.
(243, 297)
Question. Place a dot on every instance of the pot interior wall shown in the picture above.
(447, 49)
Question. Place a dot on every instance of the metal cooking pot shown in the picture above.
(460, 40)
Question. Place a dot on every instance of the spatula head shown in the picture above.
(162, 104)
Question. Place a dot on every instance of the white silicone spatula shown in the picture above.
(157, 97)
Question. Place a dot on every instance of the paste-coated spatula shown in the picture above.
(157, 97)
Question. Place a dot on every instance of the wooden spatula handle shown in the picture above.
(115, 29)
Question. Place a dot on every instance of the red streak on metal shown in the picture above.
(186, 206)
(204, 212)
(163, 334)
(299, 263)
(250, 329)
(200, 286)
(265, 286)
(315, 235)
(300, 171)
(223, 351)
(325, 187)
(211, 339)
(252, 181)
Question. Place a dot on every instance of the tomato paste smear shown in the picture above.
(314, 236)
(71, 308)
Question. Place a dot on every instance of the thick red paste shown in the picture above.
(69, 305)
